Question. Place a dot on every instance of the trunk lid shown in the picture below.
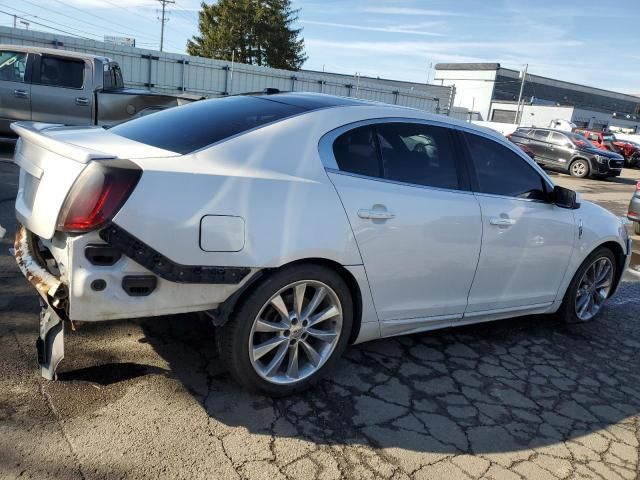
(51, 158)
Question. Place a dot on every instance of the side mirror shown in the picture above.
(565, 198)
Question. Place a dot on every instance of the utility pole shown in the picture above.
(524, 76)
(163, 20)
(15, 21)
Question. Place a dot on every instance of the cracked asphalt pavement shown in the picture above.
(524, 398)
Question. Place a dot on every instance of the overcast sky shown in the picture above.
(592, 42)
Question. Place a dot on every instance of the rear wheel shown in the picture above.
(289, 331)
(579, 168)
(589, 288)
(636, 228)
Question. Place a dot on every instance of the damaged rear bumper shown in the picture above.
(34, 268)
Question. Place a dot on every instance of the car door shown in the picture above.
(62, 91)
(540, 145)
(561, 150)
(527, 241)
(15, 90)
(416, 223)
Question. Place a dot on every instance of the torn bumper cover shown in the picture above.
(33, 267)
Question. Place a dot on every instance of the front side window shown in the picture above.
(418, 154)
(559, 139)
(12, 66)
(355, 152)
(61, 72)
(500, 171)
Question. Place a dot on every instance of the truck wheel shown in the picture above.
(290, 330)
(579, 168)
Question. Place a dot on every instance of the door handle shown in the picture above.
(502, 221)
(20, 94)
(375, 214)
(83, 101)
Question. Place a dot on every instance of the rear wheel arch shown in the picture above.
(226, 309)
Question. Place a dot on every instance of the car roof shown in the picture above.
(52, 51)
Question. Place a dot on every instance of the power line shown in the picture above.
(44, 25)
(60, 24)
(137, 32)
(61, 15)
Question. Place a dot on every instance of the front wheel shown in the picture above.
(579, 169)
(289, 331)
(590, 287)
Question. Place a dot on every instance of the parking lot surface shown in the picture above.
(521, 398)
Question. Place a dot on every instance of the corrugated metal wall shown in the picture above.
(174, 73)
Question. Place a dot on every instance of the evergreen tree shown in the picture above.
(257, 32)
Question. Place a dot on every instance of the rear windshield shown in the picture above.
(191, 127)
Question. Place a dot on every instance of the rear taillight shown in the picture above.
(638, 187)
(98, 194)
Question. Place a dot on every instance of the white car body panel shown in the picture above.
(434, 234)
(273, 180)
(523, 263)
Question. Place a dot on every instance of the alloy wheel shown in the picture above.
(295, 332)
(579, 169)
(593, 288)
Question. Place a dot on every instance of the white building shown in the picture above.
(491, 93)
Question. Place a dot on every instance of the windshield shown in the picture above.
(12, 66)
(609, 137)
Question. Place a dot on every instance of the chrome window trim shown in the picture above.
(396, 182)
(325, 149)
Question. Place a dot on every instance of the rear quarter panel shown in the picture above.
(272, 178)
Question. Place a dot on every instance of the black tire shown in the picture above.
(576, 171)
(567, 311)
(636, 228)
(234, 337)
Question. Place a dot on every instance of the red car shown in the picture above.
(608, 141)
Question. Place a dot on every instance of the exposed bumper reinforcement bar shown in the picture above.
(164, 267)
(50, 288)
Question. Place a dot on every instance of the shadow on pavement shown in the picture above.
(110, 373)
(496, 387)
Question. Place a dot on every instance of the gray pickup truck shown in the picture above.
(71, 88)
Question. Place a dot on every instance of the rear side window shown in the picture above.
(61, 72)
(191, 127)
(540, 135)
(12, 66)
(499, 171)
(356, 152)
(112, 78)
(418, 154)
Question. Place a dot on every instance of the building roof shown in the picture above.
(467, 66)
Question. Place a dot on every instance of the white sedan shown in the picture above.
(301, 223)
